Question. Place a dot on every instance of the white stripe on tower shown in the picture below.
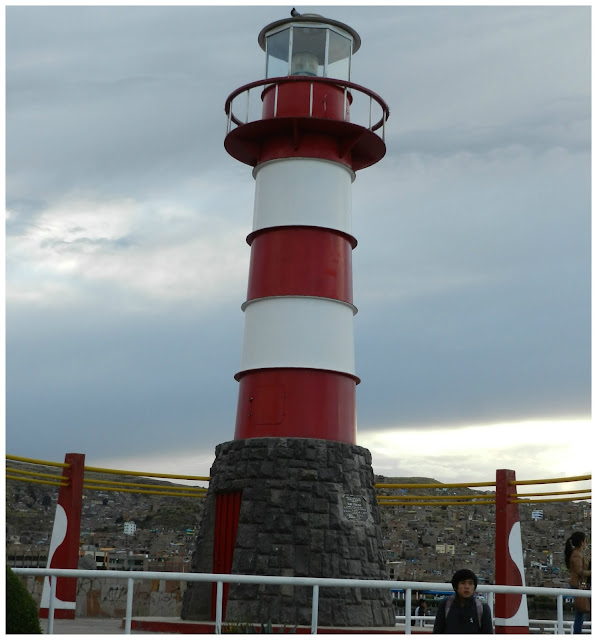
(297, 330)
(301, 331)
(303, 191)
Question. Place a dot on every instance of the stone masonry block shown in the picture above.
(292, 523)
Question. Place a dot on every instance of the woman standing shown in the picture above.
(579, 571)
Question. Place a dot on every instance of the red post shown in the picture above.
(511, 611)
(64, 545)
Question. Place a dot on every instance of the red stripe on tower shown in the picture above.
(324, 256)
(297, 376)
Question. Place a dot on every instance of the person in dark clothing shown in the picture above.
(580, 571)
(421, 610)
(462, 612)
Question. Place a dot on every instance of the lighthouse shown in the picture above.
(298, 375)
(292, 493)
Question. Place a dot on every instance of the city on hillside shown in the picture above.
(429, 543)
(422, 543)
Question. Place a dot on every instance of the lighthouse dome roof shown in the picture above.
(310, 18)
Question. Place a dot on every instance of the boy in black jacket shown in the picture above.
(462, 612)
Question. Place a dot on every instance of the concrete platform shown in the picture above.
(86, 626)
(178, 626)
(171, 626)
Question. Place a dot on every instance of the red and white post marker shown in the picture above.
(297, 376)
(64, 543)
(511, 610)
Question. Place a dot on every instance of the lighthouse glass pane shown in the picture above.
(339, 57)
(308, 51)
(278, 45)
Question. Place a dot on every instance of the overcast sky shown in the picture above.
(126, 259)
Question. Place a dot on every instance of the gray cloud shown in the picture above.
(126, 260)
(145, 383)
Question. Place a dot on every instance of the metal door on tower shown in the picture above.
(226, 526)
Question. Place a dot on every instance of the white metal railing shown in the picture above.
(356, 93)
(316, 583)
(535, 625)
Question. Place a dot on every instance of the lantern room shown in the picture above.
(309, 45)
(307, 99)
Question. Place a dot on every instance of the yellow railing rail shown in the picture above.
(550, 500)
(552, 480)
(57, 484)
(383, 500)
(435, 504)
(439, 498)
(478, 499)
(46, 463)
(178, 494)
(549, 493)
(122, 472)
(432, 485)
(108, 485)
(36, 475)
(113, 483)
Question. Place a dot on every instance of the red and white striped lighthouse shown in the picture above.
(297, 376)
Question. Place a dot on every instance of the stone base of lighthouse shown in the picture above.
(304, 507)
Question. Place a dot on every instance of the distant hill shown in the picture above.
(411, 533)
(30, 507)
